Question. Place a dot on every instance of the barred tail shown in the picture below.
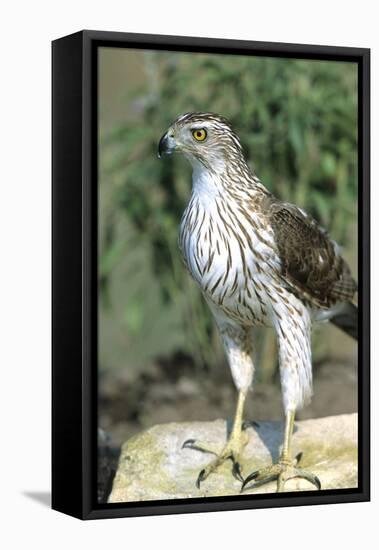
(347, 319)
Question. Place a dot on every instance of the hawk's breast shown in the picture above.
(232, 257)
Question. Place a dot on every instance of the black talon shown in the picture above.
(317, 483)
(200, 478)
(188, 443)
(262, 481)
(298, 457)
(249, 478)
(236, 471)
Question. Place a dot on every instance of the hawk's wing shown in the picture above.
(311, 263)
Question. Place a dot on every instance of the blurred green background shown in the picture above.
(160, 357)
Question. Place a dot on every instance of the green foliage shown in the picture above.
(297, 120)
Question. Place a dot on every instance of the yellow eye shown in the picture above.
(199, 134)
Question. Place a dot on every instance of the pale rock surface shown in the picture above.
(153, 465)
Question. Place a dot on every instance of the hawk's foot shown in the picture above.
(232, 451)
(282, 471)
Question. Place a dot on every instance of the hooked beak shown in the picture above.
(166, 145)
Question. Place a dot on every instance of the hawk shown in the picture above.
(258, 261)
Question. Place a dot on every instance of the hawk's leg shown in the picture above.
(232, 450)
(286, 468)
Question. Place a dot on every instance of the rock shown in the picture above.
(153, 465)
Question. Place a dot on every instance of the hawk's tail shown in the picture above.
(347, 319)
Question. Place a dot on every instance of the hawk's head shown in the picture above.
(204, 138)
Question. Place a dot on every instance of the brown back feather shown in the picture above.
(311, 263)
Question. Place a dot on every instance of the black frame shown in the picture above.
(74, 295)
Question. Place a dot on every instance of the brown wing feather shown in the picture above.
(311, 263)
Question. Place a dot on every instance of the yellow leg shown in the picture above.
(238, 417)
(288, 431)
(232, 450)
(285, 468)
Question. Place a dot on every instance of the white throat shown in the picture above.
(204, 182)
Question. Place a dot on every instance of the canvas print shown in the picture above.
(227, 275)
